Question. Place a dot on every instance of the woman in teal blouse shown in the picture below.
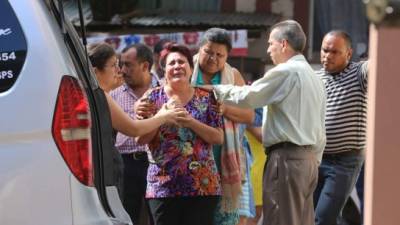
(210, 67)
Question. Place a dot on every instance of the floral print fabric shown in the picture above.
(181, 163)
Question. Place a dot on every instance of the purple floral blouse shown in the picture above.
(181, 163)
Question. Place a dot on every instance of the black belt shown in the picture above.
(137, 155)
(283, 145)
(345, 153)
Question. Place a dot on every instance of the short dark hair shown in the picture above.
(343, 34)
(217, 35)
(143, 53)
(182, 49)
(100, 53)
(159, 46)
(291, 31)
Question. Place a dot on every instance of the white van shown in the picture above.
(58, 164)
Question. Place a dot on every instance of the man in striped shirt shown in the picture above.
(345, 122)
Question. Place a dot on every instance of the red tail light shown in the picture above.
(71, 129)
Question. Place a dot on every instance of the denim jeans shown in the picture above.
(337, 176)
(360, 193)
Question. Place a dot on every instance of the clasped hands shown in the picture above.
(173, 113)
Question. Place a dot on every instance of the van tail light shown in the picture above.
(71, 129)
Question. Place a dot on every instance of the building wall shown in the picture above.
(257, 47)
(259, 6)
(246, 6)
(283, 7)
(382, 156)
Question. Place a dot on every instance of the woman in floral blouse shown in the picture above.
(183, 184)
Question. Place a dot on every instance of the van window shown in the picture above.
(13, 47)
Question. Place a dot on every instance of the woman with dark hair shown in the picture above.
(183, 184)
(105, 62)
(211, 67)
(157, 69)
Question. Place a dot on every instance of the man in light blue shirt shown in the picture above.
(294, 130)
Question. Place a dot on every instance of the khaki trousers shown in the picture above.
(290, 177)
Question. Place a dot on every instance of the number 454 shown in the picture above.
(7, 56)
